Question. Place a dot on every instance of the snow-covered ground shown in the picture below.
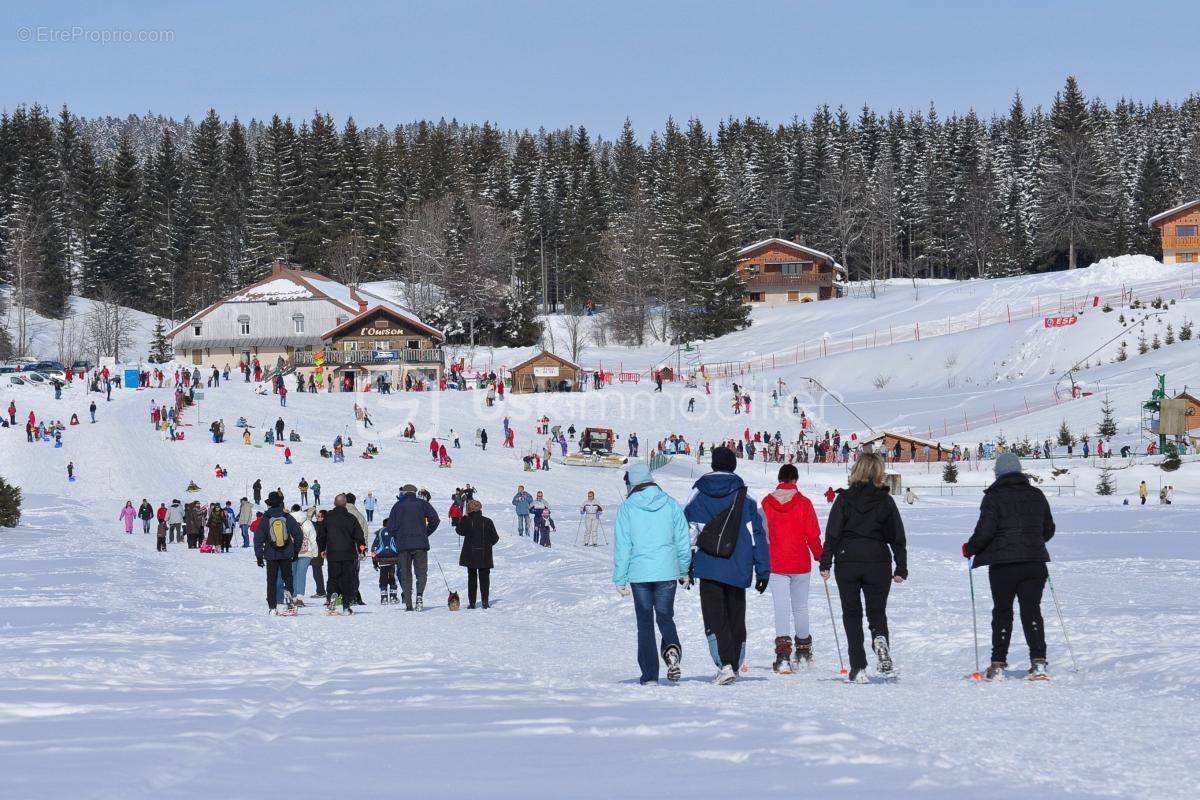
(126, 673)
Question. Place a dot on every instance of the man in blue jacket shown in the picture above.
(723, 581)
(411, 521)
(521, 502)
(653, 550)
(277, 560)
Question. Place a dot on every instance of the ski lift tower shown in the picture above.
(1151, 421)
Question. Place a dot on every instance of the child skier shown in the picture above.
(590, 511)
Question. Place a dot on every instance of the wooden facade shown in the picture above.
(911, 448)
(777, 271)
(1180, 232)
(380, 341)
(546, 372)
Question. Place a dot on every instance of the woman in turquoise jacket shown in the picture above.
(653, 551)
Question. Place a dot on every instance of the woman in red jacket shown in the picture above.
(795, 539)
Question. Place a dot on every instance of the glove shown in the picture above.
(261, 564)
(964, 551)
(686, 582)
(623, 591)
(761, 586)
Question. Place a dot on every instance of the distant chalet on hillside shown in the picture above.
(778, 271)
(292, 313)
(1180, 230)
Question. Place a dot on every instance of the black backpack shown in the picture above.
(719, 535)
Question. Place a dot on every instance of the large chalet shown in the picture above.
(1180, 231)
(778, 271)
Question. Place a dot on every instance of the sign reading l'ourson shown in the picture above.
(372, 330)
(1060, 322)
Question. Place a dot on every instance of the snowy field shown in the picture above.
(126, 673)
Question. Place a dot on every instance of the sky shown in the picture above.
(533, 63)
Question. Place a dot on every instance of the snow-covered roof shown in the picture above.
(275, 289)
(390, 308)
(791, 246)
(1157, 218)
(908, 437)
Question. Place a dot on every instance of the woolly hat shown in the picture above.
(408, 488)
(723, 460)
(274, 499)
(638, 473)
(474, 506)
(1007, 464)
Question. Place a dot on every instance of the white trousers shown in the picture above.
(790, 595)
(591, 529)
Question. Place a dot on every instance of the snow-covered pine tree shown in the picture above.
(160, 345)
(161, 213)
(1106, 486)
(1065, 437)
(10, 504)
(1108, 424)
(116, 263)
(950, 472)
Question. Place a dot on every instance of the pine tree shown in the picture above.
(1106, 485)
(1122, 353)
(950, 472)
(205, 260)
(1170, 338)
(1155, 344)
(1185, 330)
(1150, 196)
(1143, 347)
(10, 504)
(1108, 425)
(160, 346)
(162, 227)
(117, 262)
(1065, 437)
(237, 177)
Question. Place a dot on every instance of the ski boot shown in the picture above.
(783, 655)
(392, 598)
(995, 671)
(420, 603)
(383, 598)
(858, 675)
(672, 656)
(1037, 670)
(803, 657)
(884, 656)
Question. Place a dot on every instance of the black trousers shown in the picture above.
(343, 580)
(160, 543)
(276, 570)
(318, 575)
(723, 608)
(387, 577)
(1024, 582)
(481, 578)
(856, 581)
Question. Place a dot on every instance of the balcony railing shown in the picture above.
(1170, 242)
(758, 283)
(349, 357)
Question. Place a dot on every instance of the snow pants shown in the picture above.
(591, 528)
(789, 593)
(856, 581)
(480, 579)
(654, 602)
(343, 580)
(275, 571)
(723, 608)
(1023, 582)
(387, 577)
(413, 561)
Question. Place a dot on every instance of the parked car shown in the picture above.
(34, 377)
(82, 366)
(12, 379)
(7, 368)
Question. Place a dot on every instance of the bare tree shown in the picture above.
(423, 247)
(109, 326)
(23, 268)
(71, 339)
(576, 334)
(632, 282)
(347, 259)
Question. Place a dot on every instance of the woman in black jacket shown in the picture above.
(479, 536)
(1010, 538)
(863, 536)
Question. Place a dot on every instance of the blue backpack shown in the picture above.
(385, 545)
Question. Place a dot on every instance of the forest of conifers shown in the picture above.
(484, 228)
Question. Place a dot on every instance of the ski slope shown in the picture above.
(127, 673)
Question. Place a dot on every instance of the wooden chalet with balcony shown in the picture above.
(1180, 231)
(379, 342)
(776, 271)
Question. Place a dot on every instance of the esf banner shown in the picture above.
(1060, 322)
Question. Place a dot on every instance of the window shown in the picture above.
(350, 345)
(1185, 258)
(244, 325)
(196, 329)
(756, 297)
(298, 323)
(1185, 230)
(793, 297)
(383, 345)
(413, 344)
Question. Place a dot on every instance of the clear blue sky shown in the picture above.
(529, 63)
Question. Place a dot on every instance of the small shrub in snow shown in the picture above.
(950, 472)
(1107, 308)
(1170, 338)
(1143, 347)
(1122, 353)
(881, 380)
(1106, 486)
(1185, 330)
(1121, 319)
(1155, 343)
(1065, 437)
(10, 504)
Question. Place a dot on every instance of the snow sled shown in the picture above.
(241, 423)
(71, 479)
(595, 460)
(205, 547)
(287, 461)
(192, 487)
(58, 444)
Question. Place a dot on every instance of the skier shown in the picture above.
(1010, 538)
(522, 503)
(339, 545)
(127, 515)
(724, 577)
(145, 514)
(830, 495)
(287, 455)
(71, 471)
(590, 512)
(478, 538)
(794, 536)
(691, 404)
(864, 525)
(411, 521)
(540, 509)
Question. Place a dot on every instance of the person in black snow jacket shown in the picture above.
(145, 514)
(863, 535)
(341, 545)
(411, 521)
(479, 537)
(257, 491)
(723, 581)
(276, 557)
(1010, 539)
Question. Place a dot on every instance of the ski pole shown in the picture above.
(836, 639)
(974, 624)
(578, 527)
(1058, 609)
